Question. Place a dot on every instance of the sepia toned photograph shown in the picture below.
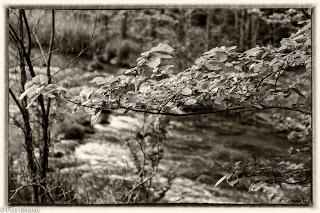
(159, 106)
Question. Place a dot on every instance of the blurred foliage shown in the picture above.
(190, 31)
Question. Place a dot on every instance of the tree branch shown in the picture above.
(16, 101)
(38, 41)
(49, 59)
(28, 31)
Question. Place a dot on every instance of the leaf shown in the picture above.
(219, 98)
(28, 92)
(167, 67)
(50, 95)
(43, 79)
(231, 48)
(213, 67)
(228, 64)
(145, 87)
(36, 79)
(220, 57)
(252, 66)
(162, 55)
(253, 51)
(256, 186)
(131, 72)
(95, 117)
(238, 68)
(221, 180)
(111, 79)
(212, 75)
(190, 102)
(162, 48)
(186, 91)
(98, 80)
(86, 92)
(258, 106)
(269, 98)
(28, 84)
(32, 100)
(141, 60)
(288, 42)
(153, 62)
(233, 182)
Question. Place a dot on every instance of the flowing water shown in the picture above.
(190, 149)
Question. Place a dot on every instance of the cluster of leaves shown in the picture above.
(39, 85)
(221, 79)
(298, 129)
(264, 172)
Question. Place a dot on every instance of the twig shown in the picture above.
(49, 61)
(141, 183)
(38, 41)
(47, 192)
(243, 108)
(50, 46)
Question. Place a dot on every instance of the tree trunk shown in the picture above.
(123, 29)
(247, 30)
(26, 119)
(208, 29)
(241, 43)
(182, 21)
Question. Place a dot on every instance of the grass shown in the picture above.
(73, 28)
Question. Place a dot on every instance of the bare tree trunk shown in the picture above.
(247, 29)
(254, 30)
(182, 21)
(236, 20)
(123, 29)
(241, 43)
(25, 59)
(27, 130)
(208, 29)
(26, 117)
(45, 119)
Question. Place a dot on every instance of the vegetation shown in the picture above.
(259, 71)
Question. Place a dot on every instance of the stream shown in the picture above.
(189, 150)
